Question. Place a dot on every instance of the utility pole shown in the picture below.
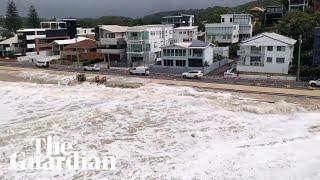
(77, 51)
(299, 58)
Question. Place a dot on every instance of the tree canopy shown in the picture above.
(33, 20)
(13, 21)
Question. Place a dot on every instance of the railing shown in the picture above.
(257, 52)
(243, 63)
(256, 64)
(197, 55)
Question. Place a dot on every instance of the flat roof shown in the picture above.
(114, 28)
(221, 25)
(186, 27)
(29, 30)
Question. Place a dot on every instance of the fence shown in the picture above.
(158, 69)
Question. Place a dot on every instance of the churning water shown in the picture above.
(161, 132)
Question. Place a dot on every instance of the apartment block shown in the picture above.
(144, 43)
(179, 21)
(266, 53)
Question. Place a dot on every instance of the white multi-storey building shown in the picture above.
(266, 53)
(188, 54)
(86, 32)
(26, 39)
(243, 20)
(222, 33)
(144, 43)
(185, 34)
(111, 42)
(232, 29)
(179, 21)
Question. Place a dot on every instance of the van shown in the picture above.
(139, 71)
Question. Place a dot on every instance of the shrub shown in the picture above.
(81, 77)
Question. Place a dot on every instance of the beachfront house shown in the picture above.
(234, 27)
(195, 53)
(223, 34)
(185, 34)
(266, 53)
(179, 21)
(111, 42)
(144, 43)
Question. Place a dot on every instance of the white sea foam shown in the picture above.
(161, 132)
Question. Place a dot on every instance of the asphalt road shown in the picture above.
(206, 79)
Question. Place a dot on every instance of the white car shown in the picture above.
(42, 63)
(314, 83)
(139, 71)
(91, 67)
(193, 74)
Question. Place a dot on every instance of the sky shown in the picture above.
(98, 8)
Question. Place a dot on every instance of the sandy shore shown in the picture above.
(13, 74)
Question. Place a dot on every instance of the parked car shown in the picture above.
(91, 67)
(193, 74)
(42, 63)
(314, 83)
(139, 71)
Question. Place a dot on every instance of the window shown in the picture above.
(30, 33)
(168, 62)
(176, 52)
(171, 52)
(280, 60)
(181, 63)
(230, 19)
(269, 59)
(281, 48)
(222, 20)
(41, 32)
(270, 48)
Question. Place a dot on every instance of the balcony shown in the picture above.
(110, 41)
(252, 63)
(111, 51)
(243, 52)
(197, 55)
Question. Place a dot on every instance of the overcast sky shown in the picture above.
(97, 8)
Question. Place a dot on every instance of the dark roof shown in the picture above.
(198, 43)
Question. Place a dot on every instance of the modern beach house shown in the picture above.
(144, 43)
(272, 15)
(185, 34)
(223, 34)
(266, 53)
(234, 27)
(179, 21)
(111, 42)
(188, 54)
